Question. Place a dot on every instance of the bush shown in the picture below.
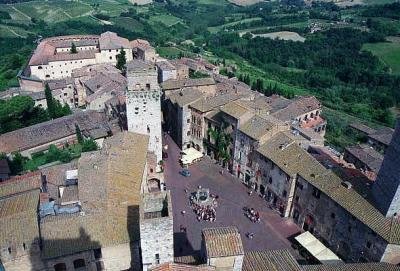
(89, 145)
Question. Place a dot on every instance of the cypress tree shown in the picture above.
(73, 49)
(51, 105)
(121, 61)
(78, 134)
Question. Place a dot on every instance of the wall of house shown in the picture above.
(277, 186)
(110, 56)
(346, 236)
(65, 95)
(197, 129)
(99, 102)
(164, 75)
(30, 85)
(59, 69)
(78, 48)
(119, 257)
(156, 238)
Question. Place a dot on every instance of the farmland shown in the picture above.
(388, 52)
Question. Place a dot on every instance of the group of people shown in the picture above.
(252, 214)
(206, 213)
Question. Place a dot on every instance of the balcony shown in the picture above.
(313, 122)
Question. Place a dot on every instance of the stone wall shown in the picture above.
(346, 236)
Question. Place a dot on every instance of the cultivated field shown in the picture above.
(388, 52)
(283, 35)
(245, 2)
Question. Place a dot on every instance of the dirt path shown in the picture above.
(15, 33)
(20, 12)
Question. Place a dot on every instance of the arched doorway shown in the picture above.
(309, 223)
(79, 263)
(60, 267)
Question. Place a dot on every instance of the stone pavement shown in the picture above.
(271, 233)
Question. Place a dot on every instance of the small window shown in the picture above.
(188, 133)
(333, 215)
(65, 94)
(110, 57)
(157, 258)
(316, 193)
(97, 253)
(188, 120)
(40, 67)
(284, 194)
(9, 250)
(270, 180)
(79, 263)
(368, 245)
(296, 199)
(24, 246)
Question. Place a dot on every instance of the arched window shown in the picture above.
(40, 67)
(79, 263)
(60, 267)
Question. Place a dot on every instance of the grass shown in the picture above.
(388, 52)
(215, 29)
(165, 19)
(169, 52)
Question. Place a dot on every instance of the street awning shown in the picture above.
(317, 249)
(190, 155)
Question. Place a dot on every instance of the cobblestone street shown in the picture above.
(271, 233)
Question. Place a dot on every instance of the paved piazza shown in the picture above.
(271, 233)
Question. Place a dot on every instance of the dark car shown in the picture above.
(185, 172)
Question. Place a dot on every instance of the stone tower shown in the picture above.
(143, 103)
(156, 229)
(386, 189)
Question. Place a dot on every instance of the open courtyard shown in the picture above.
(272, 232)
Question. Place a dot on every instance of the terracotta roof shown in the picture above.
(86, 54)
(352, 267)
(185, 97)
(257, 126)
(362, 128)
(18, 219)
(55, 177)
(109, 189)
(180, 267)
(270, 260)
(234, 109)
(292, 159)
(383, 135)
(141, 44)
(20, 184)
(138, 65)
(367, 155)
(165, 66)
(222, 242)
(110, 40)
(210, 103)
(175, 84)
(45, 132)
(297, 107)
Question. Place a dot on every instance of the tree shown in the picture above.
(17, 163)
(121, 61)
(78, 132)
(51, 105)
(73, 49)
(89, 145)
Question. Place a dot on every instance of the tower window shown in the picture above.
(157, 258)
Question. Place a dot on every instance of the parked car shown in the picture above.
(185, 172)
